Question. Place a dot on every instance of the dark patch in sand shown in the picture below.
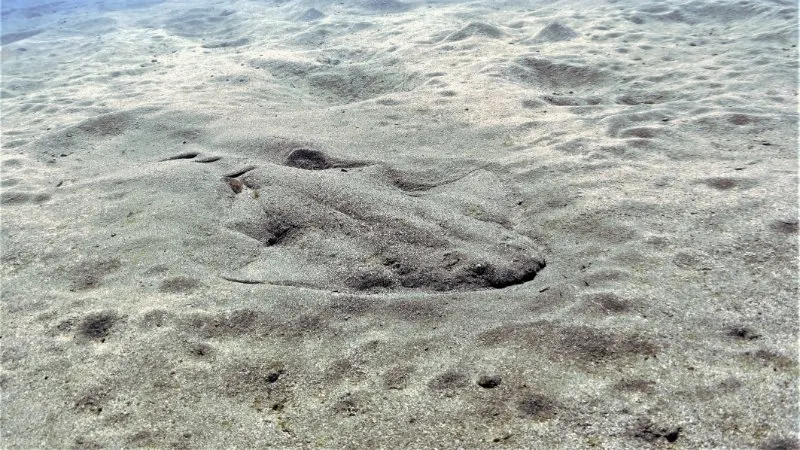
(547, 74)
(564, 100)
(742, 333)
(272, 231)
(352, 83)
(786, 226)
(781, 443)
(489, 381)
(227, 44)
(19, 197)
(639, 132)
(646, 430)
(415, 310)
(348, 305)
(636, 385)
(722, 183)
(107, 125)
(365, 280)
(452, 379)
(643, 98)
(344, 368)
(156, 318)
(772, 358)
(236, 185)
(92, 400)
(569, 343)
(90, 274)
(350, 404)
(743, 119)
(406, 183)
(8, 38)
(201, 350)
(308, 159)
(178, 285)
(398, 377)
(239, 322)
(607, 303)
(537, 407)
(97, 326)
(262, 385)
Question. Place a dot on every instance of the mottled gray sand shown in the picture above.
(388, 224)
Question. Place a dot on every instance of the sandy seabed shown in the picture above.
(388, 224)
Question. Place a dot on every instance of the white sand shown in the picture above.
(381, 224)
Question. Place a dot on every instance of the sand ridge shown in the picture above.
(518, 224)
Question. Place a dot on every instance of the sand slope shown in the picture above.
(385, 223)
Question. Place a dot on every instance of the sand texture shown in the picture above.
(399, 224)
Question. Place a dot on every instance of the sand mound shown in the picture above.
(555, 32)
(311, 15)
(476, 29)
(359, 82)
(550, 75)
(342, 83)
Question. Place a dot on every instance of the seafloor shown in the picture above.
(389, 224)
